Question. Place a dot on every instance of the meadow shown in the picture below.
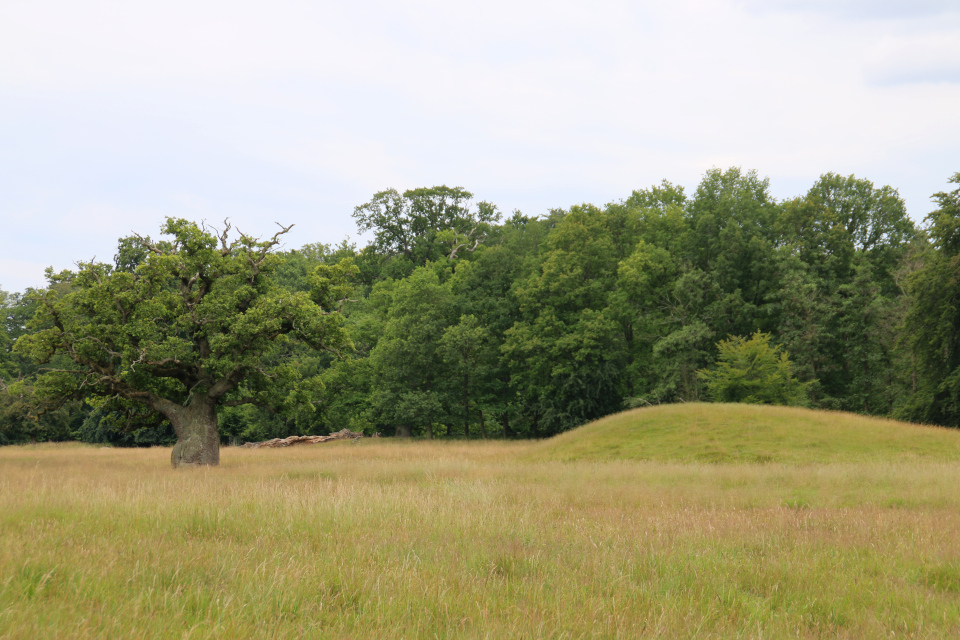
(708, 521)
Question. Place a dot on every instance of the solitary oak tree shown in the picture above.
(179, 327)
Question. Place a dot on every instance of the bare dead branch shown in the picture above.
(152, 248)
(225, 247)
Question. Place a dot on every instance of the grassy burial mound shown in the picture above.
(701, 432)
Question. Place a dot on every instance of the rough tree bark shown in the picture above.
(198, 437)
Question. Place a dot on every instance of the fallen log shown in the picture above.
(344, 434)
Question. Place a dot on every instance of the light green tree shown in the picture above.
(755, 372)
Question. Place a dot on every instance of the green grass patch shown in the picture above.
(738, 433)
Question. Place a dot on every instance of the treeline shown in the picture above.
(469, 323)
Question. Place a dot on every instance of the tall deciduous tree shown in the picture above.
(6, 358)
(182, 328)
(933, 319)
(731, 216)
(464, 347)
(566, 353)
(408, 364)
(872, 216)
(426, 224)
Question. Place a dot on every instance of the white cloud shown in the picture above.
(297, 111)
(859, 9)
(915, 58)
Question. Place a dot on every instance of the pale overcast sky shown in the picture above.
(115, 114)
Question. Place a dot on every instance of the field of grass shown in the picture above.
(386, 539)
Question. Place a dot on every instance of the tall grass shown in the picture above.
(471, 540)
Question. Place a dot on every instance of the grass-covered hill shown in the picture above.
(699, 432)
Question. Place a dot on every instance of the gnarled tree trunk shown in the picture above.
(198, 440)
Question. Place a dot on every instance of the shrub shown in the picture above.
(755, 372)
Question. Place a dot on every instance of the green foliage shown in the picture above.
(6, 343)
(463, 324)
(945, 221)
(465, 347)
(755, 372)
(16, 309)
(195, 320)
(123, 429)
(423, 225)
(873, 218)
(932, 322)
(565, 353)
(21, 422)
(345, 401)
(407, 362)
(732, 218)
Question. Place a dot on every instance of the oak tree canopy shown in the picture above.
(178, 327)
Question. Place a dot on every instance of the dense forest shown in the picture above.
(462, 321)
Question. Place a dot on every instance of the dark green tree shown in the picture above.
(423, 225)
(467, 354)
(932, 321)
(484, 288)
(805, 313)
(733, 238)
(872, 217)
(20, 421)
(566, 352)
(644, 283)
(409, 376)
(7, 364)
(684, 339)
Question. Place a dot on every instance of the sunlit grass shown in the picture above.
(384, 539)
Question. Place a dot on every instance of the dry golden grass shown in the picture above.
(385, 539)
